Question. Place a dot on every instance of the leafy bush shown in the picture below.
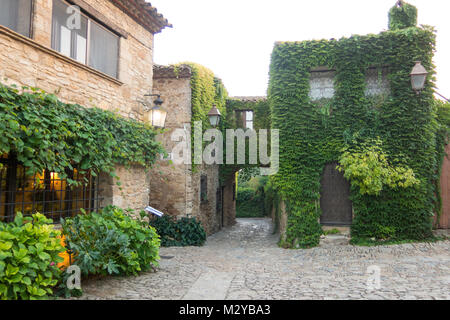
(367, 166)
(249, 203)
(29, 251)
(250, 200)
(111, 242)
(384, 232)
(179, 233)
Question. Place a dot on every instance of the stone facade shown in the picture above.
(175, 189)
(32, 62)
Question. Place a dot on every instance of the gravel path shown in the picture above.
(244, 262)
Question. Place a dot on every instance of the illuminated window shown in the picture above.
(46, 192)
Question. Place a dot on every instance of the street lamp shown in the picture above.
(418, 77)
(157, 115)
(214, 116)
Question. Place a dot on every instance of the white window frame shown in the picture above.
(247, 121)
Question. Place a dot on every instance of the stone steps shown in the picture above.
(334, 240)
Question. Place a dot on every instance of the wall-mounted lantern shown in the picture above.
(214, 116)
(418, 77)
(157, 114)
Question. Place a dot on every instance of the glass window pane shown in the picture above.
(249, 115)
(16, 15)
(249, 125)
(66, 39)
(81, 43)
(104, 48)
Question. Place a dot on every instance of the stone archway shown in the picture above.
(334, 197)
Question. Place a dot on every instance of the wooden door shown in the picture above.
(334, 198)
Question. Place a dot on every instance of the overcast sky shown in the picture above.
(234, 38)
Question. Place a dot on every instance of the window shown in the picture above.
(203, 188)
(377, 82)
(218, 200)
(321, 84)
(16, 15)
(91, 43)
(249, 120)
(46, 192)
(244, 119)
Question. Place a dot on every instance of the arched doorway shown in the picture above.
(335, 197)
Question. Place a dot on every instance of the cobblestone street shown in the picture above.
(244, 262)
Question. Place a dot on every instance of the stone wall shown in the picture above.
(175, 188)
(170, 183)
(207, 211)
(229, 197)
(32, 62)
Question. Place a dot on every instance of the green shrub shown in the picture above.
(111, 242)
(384, 232)
(29, 251)
(179, 233)
(250, 200)
(367, 166)
(249, 203)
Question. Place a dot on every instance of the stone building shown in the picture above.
(101, 57)
(177, 189)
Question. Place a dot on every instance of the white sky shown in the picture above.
(234, 38)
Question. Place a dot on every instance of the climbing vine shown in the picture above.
(402, 15)
(45, 133)
(206, 90)
(313, 134)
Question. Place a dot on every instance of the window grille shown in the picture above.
(46, 192)
(377, 82)
(321, 85)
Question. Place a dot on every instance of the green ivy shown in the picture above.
(206, 90)
(312, 136)
(179, 232)
(29, 254)
(402, 15)
(45, 133)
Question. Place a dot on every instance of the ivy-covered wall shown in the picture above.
(310, 138)
(45, 133)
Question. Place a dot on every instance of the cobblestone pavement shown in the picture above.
(244, 262)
